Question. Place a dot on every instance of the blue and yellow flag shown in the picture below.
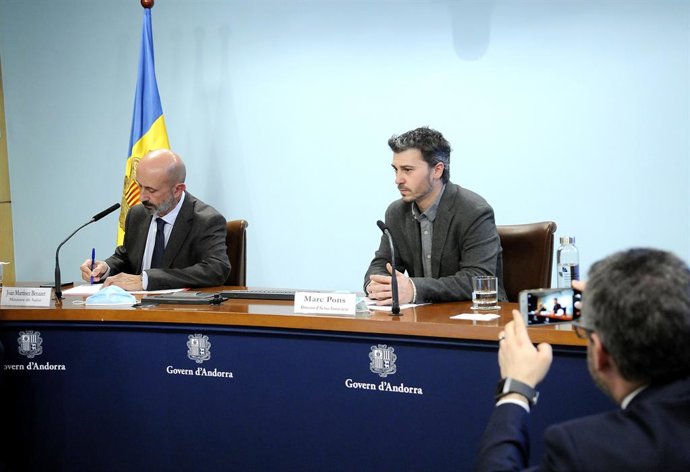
(148, 127)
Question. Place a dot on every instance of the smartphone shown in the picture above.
(550, 305)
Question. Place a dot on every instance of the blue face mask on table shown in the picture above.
(112, 295)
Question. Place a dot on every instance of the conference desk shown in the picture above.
(250, 385)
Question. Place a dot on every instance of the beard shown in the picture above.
(596, 377)
(418, 193)
(163, 208)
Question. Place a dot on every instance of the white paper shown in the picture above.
(475, 316)
(82, 289)
(88, 289)
(371, 305)
(389, 307)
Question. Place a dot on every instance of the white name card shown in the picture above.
(25, 296)
(325, 303)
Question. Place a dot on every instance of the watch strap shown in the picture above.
(507, 386)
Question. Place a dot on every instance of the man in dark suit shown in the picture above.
(172, 240)
(444, 234)
(636, 319)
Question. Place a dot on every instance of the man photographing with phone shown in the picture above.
(636, 319)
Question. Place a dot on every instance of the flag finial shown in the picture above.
(147, 4)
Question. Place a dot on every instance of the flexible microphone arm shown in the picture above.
(395, 309)
(96, 217)
(105, 212)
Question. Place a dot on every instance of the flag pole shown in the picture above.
(148, 4)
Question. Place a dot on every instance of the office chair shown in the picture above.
(527, 256)
(236, 240)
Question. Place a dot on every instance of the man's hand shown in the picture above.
(517, 356)
(99, 270)
(128, 282)
(380, 288)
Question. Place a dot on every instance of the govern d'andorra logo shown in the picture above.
(382, 359)
(198, 350)
(30, 345)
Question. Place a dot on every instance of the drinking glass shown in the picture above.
(485, 293)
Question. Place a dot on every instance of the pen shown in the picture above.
(93, 261)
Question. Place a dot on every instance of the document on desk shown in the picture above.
(88, 289)
(371, 305)
(475, 316)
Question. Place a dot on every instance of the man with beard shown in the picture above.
(172, 240)
(444, 234)
(636, 319)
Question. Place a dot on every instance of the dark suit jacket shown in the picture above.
(465, 243)
(195, 256)
(651, 434)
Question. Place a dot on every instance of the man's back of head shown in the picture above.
(638, 303)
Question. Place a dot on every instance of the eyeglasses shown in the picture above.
(582, 332)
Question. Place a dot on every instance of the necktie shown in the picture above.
(159, 247)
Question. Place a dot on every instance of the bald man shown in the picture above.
(191, 250)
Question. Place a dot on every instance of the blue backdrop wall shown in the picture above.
(572, 111)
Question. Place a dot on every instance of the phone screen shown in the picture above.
(548, 305)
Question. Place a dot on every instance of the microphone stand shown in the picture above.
(96, 217)
(58, 285)
(395, 308)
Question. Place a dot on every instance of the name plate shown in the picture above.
(25, 296)
(325, 303)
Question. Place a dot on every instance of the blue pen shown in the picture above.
(93, 261)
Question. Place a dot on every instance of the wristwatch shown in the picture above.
(508, 385)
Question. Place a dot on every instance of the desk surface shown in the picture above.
(431, 320)
(276, 390)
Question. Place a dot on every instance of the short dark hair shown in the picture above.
(638, 302)
(430, 143)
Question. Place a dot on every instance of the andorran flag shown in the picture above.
(148, 127)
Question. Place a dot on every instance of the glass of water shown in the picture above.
(484, 293)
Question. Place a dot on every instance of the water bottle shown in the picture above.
(568, 262)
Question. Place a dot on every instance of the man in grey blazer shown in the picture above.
(443, 234)
(172, 240)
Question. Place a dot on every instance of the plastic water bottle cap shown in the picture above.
(567, 239)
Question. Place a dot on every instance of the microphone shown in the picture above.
(395, 309)
(96, 217)
(105, 212)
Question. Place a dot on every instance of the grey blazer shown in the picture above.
(195, 256)
(465, 243)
